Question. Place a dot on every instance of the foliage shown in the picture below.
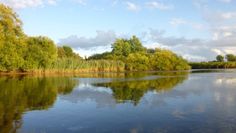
(41, 53)
(165, 60)
(11, 40)
(20, 52)
(137, 62)
(21, 94)
(123, 47)
(138, 58)
(220, 58)
(105, 55)
(218, 64)
(230, 57)
(158, 60)
(213, 65)
(67, 52)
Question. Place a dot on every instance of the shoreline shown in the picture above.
(74, 73)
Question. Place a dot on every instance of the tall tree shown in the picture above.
(61, 52)
(220, 58)
(124, 47)
(121, 47)
(230, 57)
(136, 45)
(68, 51)
(166, 60)
(11, 40)
(137, 62)
(41, 53)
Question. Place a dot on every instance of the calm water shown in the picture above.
(180, 102)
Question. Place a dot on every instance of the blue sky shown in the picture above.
(196, 29)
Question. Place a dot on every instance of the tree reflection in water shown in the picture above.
(134, 90)
(21, 94)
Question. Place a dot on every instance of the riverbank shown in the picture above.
(213, 65)
(120, 74)
(108, 74)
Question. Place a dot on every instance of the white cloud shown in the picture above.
(225, 1)
(218, 51)
(224, 51)
(132, 6)
(86, 46)
(228, 15)
(158, 5)
(177, 21)
(219, 17)
(19, 4)
(191, 57)
(222, 26)
(81, 2)
(94, 50)
(102, 38)
(194, 49)
(114, 2)
(52, 2)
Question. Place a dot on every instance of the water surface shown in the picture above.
(170, 102)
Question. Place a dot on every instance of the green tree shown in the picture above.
(165, 60)
(151, 51)
(136, 45)
(137, 62)
(123, 47)
(68, 51)
(220, 58)
(230, 57)
(11, 40)
(139, 58)
(105, 55)
(61, 52)
(41, 53)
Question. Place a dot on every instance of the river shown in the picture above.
(152, 102)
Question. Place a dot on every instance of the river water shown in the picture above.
(168, 102)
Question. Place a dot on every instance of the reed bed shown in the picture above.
(73, 66)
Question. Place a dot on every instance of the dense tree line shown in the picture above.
(221, 62)
(227, 57)
(212, 65)
(230, 57)
(18, 51)
(22, 53)
(138, 58)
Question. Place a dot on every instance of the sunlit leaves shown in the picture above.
(11, 40)
(41, 53)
